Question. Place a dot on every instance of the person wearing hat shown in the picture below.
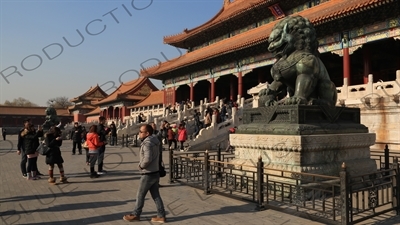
(76, 137)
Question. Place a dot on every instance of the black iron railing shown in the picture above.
(344, 199)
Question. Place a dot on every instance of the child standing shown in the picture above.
(182, 135)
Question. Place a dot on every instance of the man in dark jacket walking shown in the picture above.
(102, 131)
(76, 137)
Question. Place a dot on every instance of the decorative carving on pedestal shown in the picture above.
(301, 138)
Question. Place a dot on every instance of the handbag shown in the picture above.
(85, 145)
(42, 148)
(161, 170)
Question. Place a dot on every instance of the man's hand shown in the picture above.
(19, 152)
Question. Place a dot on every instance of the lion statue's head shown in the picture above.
(50, 111)
(290, 34)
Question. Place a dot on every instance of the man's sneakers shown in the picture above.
(158, 219)
(102, 172)
(24, 175)
(131, 218)
(95, 175)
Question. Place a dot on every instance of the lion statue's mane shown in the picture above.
(294, 43)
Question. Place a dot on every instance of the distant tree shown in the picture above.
(20, 102)
(59, 102)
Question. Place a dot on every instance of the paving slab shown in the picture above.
(105, 200)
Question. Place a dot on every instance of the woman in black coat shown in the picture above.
(53, 155)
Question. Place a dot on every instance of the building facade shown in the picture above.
(228, 54)
(85, 103)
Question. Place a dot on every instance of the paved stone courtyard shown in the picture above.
(106, 199)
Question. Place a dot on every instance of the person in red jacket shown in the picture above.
(182, 135)
(94, 144)
(171, 137)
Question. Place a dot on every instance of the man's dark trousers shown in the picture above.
(79, 144)
(100, 159)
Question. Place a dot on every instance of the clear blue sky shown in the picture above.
(31, 29)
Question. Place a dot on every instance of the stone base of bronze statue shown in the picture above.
(300, 138)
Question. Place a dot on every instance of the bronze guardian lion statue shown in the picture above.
(298, 68)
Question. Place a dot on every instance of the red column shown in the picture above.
(191, 91)
(346, 65)
(240, 87)
(212, 97)
(367, 62)
(165, 97)
(173, 95)
(232, 89)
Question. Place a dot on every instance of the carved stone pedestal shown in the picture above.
(311, 139)
(317, 154)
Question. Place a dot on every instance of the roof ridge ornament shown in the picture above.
(227, 2)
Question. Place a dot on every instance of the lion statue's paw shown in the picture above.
(270, 103)
(295, 100)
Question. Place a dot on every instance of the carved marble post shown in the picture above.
(179, 115)
(150, 117)
(185, 111)
(217, 99)
(135, 119)
(214, 120)
(370, 84)
(201, 109)
(221, 103)
(235, 119)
